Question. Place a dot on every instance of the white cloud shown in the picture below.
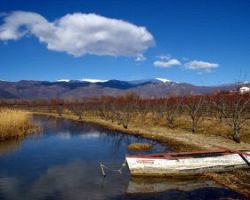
(167, 63)
(201, 65)
(140, 58)
(79, 34)
(164, 57)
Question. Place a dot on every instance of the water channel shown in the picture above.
(62, 162)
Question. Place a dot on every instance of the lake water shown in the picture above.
(62, 162)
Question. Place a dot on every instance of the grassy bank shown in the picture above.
(15, 124)
(180, 139)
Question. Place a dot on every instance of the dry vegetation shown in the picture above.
(226, 115)
(139, 146)
(221, 114)
(14, 124)
(237, 180)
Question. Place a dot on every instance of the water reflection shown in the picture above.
(71, 181)
(64, 182)
(63, 163)
(9, 145)
(65, 130)
(155, 185)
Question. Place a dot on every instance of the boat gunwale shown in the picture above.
(193, 154)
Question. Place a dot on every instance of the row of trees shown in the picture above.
(232, 109)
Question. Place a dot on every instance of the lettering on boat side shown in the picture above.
(145, 161)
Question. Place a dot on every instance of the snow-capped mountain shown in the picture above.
(163, 80)
(93, 80)
(63, 80)
(68, 89)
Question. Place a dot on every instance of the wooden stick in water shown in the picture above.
(103, 172)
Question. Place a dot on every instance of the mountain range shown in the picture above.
(73, 89)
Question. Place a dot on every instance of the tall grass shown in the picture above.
(14, 124)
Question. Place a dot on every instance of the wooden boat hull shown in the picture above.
(153, 166)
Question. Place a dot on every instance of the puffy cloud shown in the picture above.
(167, 63)
(79, 34)
(201, 65)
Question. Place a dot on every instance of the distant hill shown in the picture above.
(70, 89)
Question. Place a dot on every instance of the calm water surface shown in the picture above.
(63, 163)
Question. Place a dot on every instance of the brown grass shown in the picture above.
(139, 146)
(236, 180)
(208, 126)
(14, 124)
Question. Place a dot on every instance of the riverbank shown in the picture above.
(180, 140)
(15, 124)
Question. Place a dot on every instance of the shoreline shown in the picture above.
(175, 144)
(179, 140)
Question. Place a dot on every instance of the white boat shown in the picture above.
(186, 163)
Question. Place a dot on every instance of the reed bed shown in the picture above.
(15, 124)
(139, 146)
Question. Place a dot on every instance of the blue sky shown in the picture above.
(200, 42)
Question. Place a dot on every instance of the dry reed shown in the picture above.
(14, 124)
(139, 146)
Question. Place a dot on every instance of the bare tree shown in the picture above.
(236, 112)
(194, 105)
(128, 103)
(77, 108)
(58, 105)
(143, 109)
(172, 108)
